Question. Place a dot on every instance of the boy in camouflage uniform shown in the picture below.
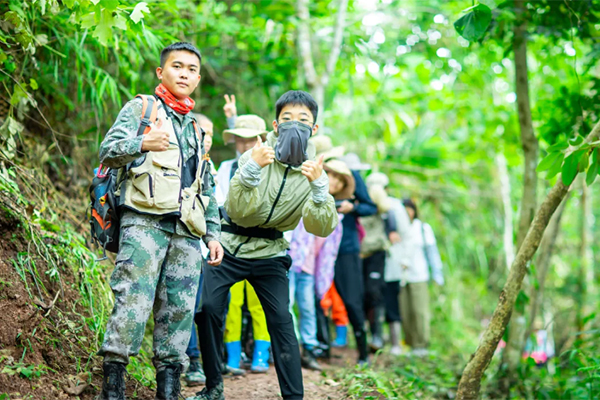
(159, 261)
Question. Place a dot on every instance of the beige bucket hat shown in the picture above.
(246, 126)
(324, 146)
(341, 168)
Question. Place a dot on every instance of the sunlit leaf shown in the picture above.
(138, 11)
(473, 25)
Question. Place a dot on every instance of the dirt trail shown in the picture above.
(317, 385)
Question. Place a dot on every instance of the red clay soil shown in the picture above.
(42, 343)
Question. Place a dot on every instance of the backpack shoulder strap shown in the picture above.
(149, 113)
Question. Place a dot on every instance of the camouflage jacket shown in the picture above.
(122, 146)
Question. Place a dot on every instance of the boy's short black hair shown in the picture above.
(297, 97)
(179, 46)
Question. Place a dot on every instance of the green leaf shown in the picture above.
(473, 25)
(33, 84)
(584, 161)
(576, 141)
(558, 147)
(27, 372)
(17, 95)
(103, 30)
(120, 22)
(69, 3)
(138, 11)
(88, 20)
(548, 161)
(569, 168)
(110, 5)
(555, 168)
(592, 173)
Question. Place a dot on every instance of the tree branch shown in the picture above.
(338, 36)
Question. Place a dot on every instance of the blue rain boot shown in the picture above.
(341, 336)
(234, 354)
(260, 359)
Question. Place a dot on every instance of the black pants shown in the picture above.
(348, 281)
(391, 297)
(373, 268)
(269, 279)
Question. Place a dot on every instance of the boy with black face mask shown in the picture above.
(276, 184)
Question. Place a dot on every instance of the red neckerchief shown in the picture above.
(179, 106)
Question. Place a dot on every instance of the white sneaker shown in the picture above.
(420, 352)
(396, 351)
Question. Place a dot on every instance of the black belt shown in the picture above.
(253, 232)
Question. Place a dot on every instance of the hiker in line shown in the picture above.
(373, 251)
(399, 258)
(311, 275)
(332, 308)
(195, 373)
(167, 207)
(276, 184)
(245, 134)
(348, 277)
(414, 296)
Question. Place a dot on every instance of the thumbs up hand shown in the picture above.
(263, 154)
(157, 139)
(313, 170)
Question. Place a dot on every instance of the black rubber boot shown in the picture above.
(361, 345)
(113, 385)
(168, 386)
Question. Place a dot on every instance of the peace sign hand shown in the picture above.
(313, 170)
(229, 107)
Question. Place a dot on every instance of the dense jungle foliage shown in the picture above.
(430, 101)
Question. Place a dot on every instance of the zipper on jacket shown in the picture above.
(285, 174)
(237, 249)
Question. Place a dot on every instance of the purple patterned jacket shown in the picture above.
(303, 247)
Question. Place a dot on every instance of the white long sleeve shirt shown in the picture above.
(419, 269)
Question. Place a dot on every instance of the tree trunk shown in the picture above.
(316, 84)
(516, 335)
(543, 264)
(508, 239)
(470, 382)
(584, 256)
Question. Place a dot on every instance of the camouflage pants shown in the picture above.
(154, 270)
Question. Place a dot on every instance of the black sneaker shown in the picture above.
(113, 384)
(309, 361)
(215, 393)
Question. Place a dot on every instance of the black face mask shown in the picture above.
(292, 143)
